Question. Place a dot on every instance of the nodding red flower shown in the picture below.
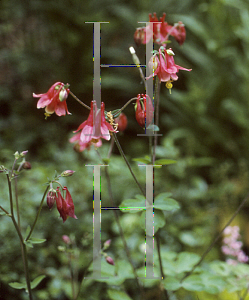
(54, 100)
(95, 127)
(164, 66)
(81, 146)
(121, 120)
(65, 206)
(144, 116)
(160, 31)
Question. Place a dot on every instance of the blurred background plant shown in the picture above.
(204, 122)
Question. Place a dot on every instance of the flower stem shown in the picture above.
(128, 165)
(126, 104)
(37, 215)
(157, 98)
(217, 238)
(17, 205)
(23, 246)
(80, 102)
(4, 211)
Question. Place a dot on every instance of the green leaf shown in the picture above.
(162, 202)
(18, 285)
(129, 205)
(153, 127)
(193, 283)
(171, 283)
(213, 284)
(164, 161)
(146, 159)
(115, 294)
(28, 243)
(159, 220)
(36, 281)
(27, 232)
(36, 241)
(186, 261)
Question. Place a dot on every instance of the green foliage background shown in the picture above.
(205, 126)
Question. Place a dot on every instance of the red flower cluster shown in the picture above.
(164, 66)
(54, 100)
(93, 129)
(64, 206)
(144, 117)
(160, 31)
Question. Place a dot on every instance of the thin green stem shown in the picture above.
(23, 246)
(160, 262)
(126, 104)
(12, 170)
(81, 283)
(72, 274)
(38, 213)
(80, 102)
(17, 205)
(157, 98)
(217, 238)
(127, 163)
(5, 211)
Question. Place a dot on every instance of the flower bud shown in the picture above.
(143, 116)
(66, 239)
(17, 155)
(51, 198)
(67, 173)
(107, 244)
(109, 260)
(122, 122)
(26, 165)
(23, 153)
(139, 36)
(153, 63)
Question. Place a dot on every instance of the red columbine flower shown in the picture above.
(95, 127)
(164, 66)
(160, 31)
(144, 117)
(54, 100)
(65, 206)
(81, 146)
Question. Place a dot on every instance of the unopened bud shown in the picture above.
(170, 52)
(134, 56)
(17, 155)
(26, 165)
(66, 239)
(23, 153)
(51, 198)
(107, 244)
(109, 260)
(67, 173)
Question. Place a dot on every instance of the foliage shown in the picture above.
(205, 130)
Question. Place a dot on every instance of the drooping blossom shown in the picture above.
(232, 248)
(54, 100)
(160, 31)
(164, 66)
(65, 206)
(121, 120)
(144, 110)
(81, 146)
(95, 127)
